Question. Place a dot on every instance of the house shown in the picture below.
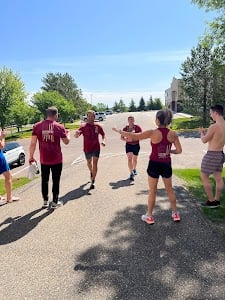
(173, 95)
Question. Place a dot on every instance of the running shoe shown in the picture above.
(131, 176)
(176, 216)
(45, 204)
(211, 204)
(92, 186)
(218, 202)
(148, 219)
(135, 172)
(56, 205)
(2, 201)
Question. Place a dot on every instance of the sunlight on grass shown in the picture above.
(17, 182)
(194, 186)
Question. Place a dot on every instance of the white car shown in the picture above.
(14, 153)
(99, 116)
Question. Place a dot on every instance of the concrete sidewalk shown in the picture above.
(97, 247)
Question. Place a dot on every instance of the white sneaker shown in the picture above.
(56, 205)
(45, 204)
(2, 201)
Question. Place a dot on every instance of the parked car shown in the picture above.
(99, 116)
(14, 153)
(108, 112)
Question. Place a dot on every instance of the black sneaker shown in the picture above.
(92, 185)
(131, 176)
(218, 202)
(211, 204)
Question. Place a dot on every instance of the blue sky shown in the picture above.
(113, 49)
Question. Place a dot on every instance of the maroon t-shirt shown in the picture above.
(136, 129)
(49, 134)
(91, 136)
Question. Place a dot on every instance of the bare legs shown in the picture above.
(132, 161)
(92, 164)
(153, 182)
(208, 187)
(8, 185)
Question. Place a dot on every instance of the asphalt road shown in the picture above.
(96, 246)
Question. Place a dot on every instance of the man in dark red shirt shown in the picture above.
(132, 147)
(49, 133)
(91, 146)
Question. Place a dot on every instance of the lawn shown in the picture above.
(195, 188)
(17, 182)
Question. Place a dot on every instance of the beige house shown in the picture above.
(173, 95)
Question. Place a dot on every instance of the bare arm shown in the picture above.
(135, 136)
(32, 148)
(66, 140)
(177, 144)
(77, 133)
(206, 136)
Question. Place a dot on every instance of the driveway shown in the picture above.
(97, 247)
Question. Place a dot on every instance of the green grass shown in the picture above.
(186, 123)
(17, 182)
(195, 188)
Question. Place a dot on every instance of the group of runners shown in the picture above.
(164, 142)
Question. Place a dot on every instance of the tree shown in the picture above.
(142, 105)
(65, 85)
(62, 83)
(196, 72)
(19, 114)
(217, 26)
(122, 106)
(150, 104)
(101, 107)
(132, 106)
(157, 104)
(11, 91)
(43, 100)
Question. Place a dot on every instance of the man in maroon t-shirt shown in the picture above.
(132, 147)
(91, 146)
(49, 133)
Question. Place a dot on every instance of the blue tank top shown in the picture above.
(161, 151)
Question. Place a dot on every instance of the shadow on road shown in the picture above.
(121, 183)
(76, 194)
(166, 260)
(20, 226)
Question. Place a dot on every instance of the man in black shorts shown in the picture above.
(132, 147)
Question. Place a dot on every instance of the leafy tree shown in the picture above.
(101, 107)
(43, 100)
(132, 106)
(11, 91)
(196, 72)
(142, 105)
(19, 114)
(65, 85)
(218, 24)
(62, 83)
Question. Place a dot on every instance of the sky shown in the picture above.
(113, 49)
